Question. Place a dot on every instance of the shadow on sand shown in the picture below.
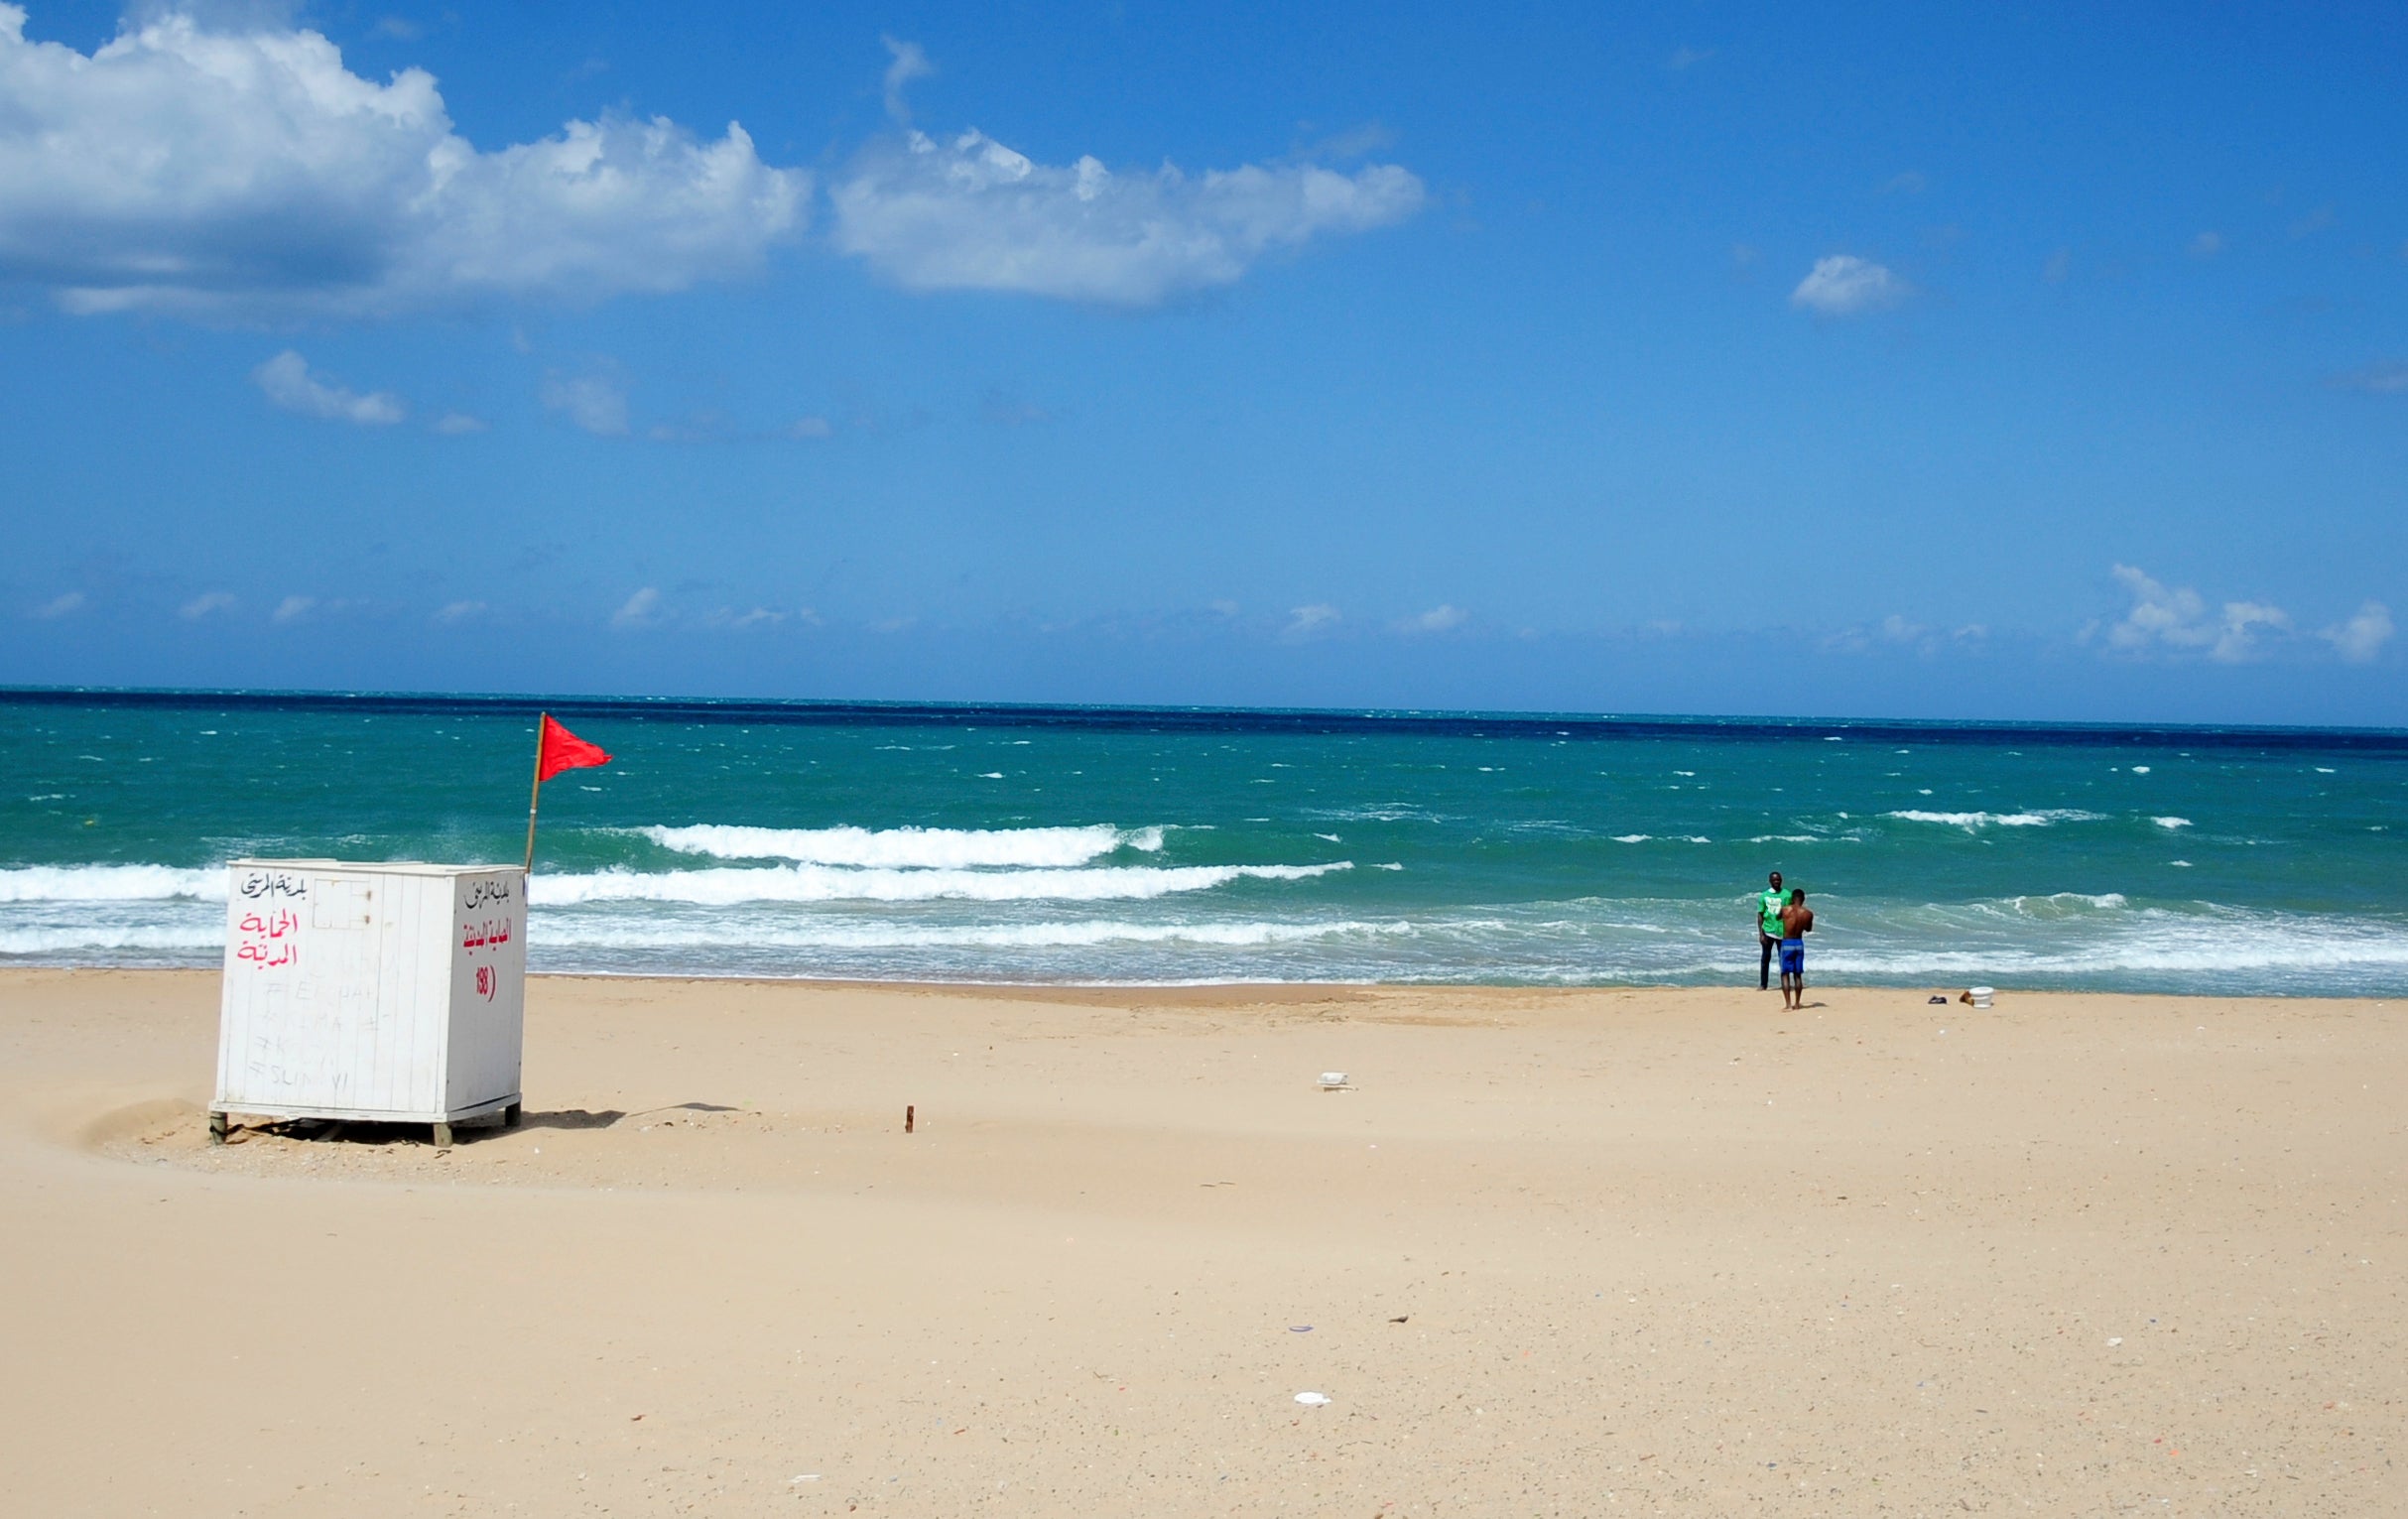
(365, 1132)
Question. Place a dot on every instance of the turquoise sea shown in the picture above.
(1177, 846)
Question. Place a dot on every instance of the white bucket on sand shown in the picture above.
(1981, 994)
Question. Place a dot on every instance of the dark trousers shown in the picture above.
(1764, 969)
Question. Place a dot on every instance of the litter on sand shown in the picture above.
(1300, 1329)
(1311, 1399)
(1333, 1081)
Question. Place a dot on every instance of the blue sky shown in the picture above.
(1853, 360)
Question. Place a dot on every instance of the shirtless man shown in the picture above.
(1797, 920)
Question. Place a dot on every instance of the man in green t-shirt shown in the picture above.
(1769, 903)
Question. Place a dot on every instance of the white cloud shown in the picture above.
(595, 400)
(1353, 142)
(2362, 637)
(66, 605)
(759, 616)
(2375, 379)
(1844, 285)
(294, 609)
(243, 172)
(1438, 619)
(909, 63)
(707, 425)
(1893, 631)
(206, 605)
(2236, 635)
(2159, 614)
(2176, 618)
(1005, 410)
(1304, 621)
(288, 382)
(638, 610)
(456, 612)
(459, 423)
(972, 215)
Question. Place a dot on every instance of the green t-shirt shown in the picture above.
(1769, 903)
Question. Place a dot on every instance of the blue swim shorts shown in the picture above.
(1793, 957)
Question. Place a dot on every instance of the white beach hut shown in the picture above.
(393, 992)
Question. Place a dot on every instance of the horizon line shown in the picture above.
(1206, 718)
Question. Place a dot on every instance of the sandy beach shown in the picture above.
(1555, 1252)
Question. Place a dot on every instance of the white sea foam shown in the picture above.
(647, 933)
(1976, 821)
(2162, 950)
(2171, 822)
(830, 883)
(909, 848)
(1106, 924)
(109, 883)
(1632, 839)
(159, 937)
(2087, 937)
(2056, 904)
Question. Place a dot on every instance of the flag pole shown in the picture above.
(535, 788)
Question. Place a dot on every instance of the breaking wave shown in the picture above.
(830, 883)
(1134, 923)
(183, 940)
(1974, 823)
(1024, 936)
(909, 848)
(109, 883)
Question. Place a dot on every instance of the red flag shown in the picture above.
(564, 750)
